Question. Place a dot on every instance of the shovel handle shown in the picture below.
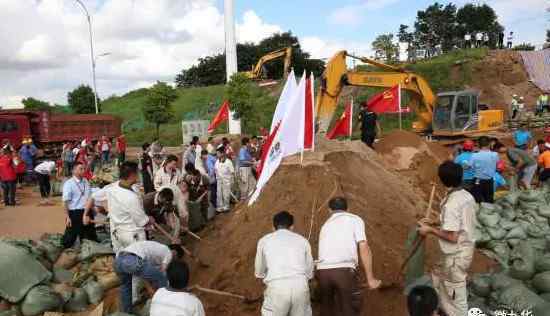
(218, 292)
(417, 243)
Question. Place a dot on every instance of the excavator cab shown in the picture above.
(458, 113)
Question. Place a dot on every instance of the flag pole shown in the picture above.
(351, 119)
(312, 110)
(399, 104)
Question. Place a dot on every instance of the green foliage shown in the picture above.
(252, 104)
(81, 100)
(383, 45)
(211, 70)
(33, 104)
(157, 109)
(524, 47)
(473, 18)
(436, 25)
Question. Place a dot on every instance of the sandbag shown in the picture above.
(196, 219)
(543, 263)
(512, 242)
(529, 205)
(40, 299)
(489, 220)
(496, 233)
(94, 291)
(508, 213)
(522, 259)
(64, 290)
(518, 297)
(541, 282)
(67, 259)
(511, 198)
(544, 210)
(537, 231)
(516, 233)
(481, 285)
(90, 249)
(50, 250)
(78, 301)
(481, 236)
(542, 309)
(20, 272)
(532, 196)
(540, 244)
(545, 296)
(507, 224)
(61, 275)
(500, 249)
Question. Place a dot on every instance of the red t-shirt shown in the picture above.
(121, 144)
(21, 167)
(7, 170)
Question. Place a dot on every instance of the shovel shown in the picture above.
(246, 300)
(185, 250)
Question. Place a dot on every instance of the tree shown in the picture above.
(252, 104)
(158, 107)
(81, 100)
(383, 45)
(436, 26)
(473, 18)
(33, 104)
(524, 47)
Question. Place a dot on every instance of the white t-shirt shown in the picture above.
(169, 303)
(458, 214)
(479, 36)
(105, 147)
(152, 251)
(467, 37)
(338, 241)
(45, 167)
(125, 208)
(283, 254)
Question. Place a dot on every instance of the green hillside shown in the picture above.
(450, 71)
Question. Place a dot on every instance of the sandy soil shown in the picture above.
(28, 220)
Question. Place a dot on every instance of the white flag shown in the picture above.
(284, 100)
(291, 132)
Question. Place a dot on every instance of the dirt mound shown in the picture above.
(499, 76)
(381, 197)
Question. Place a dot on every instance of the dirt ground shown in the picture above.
(28, 220)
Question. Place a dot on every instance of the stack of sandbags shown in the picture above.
(40, 276)
(516, 232)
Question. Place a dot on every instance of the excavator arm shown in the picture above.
(337, 75)
(256, 72)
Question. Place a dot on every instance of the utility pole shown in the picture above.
(91, 52)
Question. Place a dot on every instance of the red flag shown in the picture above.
(221, 116)
(265, 149)
(309, 124)
(387, 101)
(343, 125)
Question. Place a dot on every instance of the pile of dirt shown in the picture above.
(499, 76)
(386, 202)
(413, 157)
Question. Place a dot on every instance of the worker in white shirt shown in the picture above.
(284, 262)
(224, 177)
(341, 238)
(479, 39)
(144, 259)
(168, 173)
(175, 299)
(43, 172)
(467, 41)
(510, 40)
(127, 216)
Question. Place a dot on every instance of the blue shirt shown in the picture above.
(499, 181)
(76, 193)
(522, 138)
(27, 154)
(245, 159)
(485, 164)
(465, 160)
(210, 165)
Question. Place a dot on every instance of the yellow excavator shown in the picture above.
(448, 114)
(257, 71)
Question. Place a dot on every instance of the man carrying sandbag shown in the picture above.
(456, 240)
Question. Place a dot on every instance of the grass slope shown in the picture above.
(447, 72)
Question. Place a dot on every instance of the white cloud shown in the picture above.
(354, 15)
(324, 49)
(45, 46)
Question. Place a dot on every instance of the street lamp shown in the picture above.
(91, 52)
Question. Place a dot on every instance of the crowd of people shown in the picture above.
(482, 39)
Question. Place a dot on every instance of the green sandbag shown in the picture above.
(512, 242)
(481, 285)
(543, 263)
(522, 259)
(501, 281)
(529, 205)
(489, 220)
(61, 275)
(91, 249)
(496, 233)
(511, 198)
(500, 249)
(516, 233)
(542, 309)
(50, 250)
(507, 224)
(20, 272)
(196, 219)
(545, 296)
(78, 301)
(544, 210)
(489, 208)
(508, 213)
(518, 297)
(532, 196)
(541, 282)
(540, 244)
(40, 299)
(94, 291)
(481, 236)
(537, 231)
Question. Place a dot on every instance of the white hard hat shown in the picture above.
(514, 96)
(521, 98)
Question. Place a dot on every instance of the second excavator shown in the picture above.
(454, 113)
(257, 71)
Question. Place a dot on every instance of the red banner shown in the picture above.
(265, 149)
(309, 124)
(343, 125)
(221, 116)
(385, 102)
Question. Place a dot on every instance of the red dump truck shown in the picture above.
(48, 130)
